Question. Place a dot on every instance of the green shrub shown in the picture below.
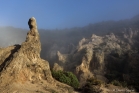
(66, 77)
(92, 86)
(94, 81)
(116, 83)
(124, 84)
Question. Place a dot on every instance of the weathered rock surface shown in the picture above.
(23, 71)
(100, 55)
(57, 67)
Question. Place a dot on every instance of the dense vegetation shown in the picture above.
(66, 77)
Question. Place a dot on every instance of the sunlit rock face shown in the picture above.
(24, 62)
(21, 65)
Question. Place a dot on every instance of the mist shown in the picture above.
(69, 47)
(60, 39)
(10, 36)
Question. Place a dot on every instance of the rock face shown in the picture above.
(21, 66)
(25, 57)
(100, 56)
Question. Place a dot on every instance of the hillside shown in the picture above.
(23, 71)
(63, 38)
(106, 50)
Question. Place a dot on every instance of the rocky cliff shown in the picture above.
(23, 71)
(103, 57)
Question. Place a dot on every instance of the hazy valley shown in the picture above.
(106, 51)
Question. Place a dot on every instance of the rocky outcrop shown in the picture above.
(57, 67)
(99, 55)
(22, 70)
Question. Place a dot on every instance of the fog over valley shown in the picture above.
(60, 39)
(69, 46)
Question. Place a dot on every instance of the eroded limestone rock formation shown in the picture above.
(22, 70)
(95, 56)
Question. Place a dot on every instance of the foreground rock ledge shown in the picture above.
(23, 71)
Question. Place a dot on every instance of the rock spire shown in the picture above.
(21, 66)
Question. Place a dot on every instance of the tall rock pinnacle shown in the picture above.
(32, 46)
(23, 62)
(33, 33)
(21, 67)
(33, 37)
